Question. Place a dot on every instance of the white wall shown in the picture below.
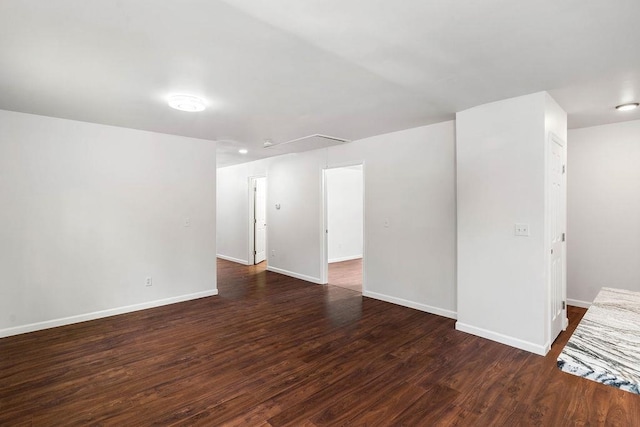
(294, 232)
(89, 211)
(409, 179)
(344, 213)
(603, 237)
(502, 287)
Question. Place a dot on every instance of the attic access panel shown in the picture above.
(306, 143)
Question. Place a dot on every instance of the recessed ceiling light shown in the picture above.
(188, 103)
(627, 107)
(243, 151)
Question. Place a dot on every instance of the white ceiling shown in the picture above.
(284, 69)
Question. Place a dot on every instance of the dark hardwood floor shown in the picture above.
(272, 350)
(346, 274)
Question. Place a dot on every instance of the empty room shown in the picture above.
(286, 213)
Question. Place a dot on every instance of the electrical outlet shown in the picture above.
(148, 281)
(187, 222)
(273, 253)
(522, 229)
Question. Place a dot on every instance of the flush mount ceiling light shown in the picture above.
(627, 107)
(188, 103)
(243, 151)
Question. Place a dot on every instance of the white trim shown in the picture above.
(411, 304)
(102, 313)
(345, 258)
(578, 303)
(251, 256)
(251, 232)
(232, 259)
(296, 275)
(338, 165)
(324, 226)
(542, 350)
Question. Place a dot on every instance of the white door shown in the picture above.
(556, 171)
(260, 219)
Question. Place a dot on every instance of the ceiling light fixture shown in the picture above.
(627, 107)
(243, 151)
(188, 103)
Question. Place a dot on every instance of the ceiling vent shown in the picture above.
(306, 143)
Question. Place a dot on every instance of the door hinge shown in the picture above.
(563, 237)
(564, 305)
(255, 252)
(552, 251)
(564, 168)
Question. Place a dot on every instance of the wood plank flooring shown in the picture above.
(272, 350)
(346, 274)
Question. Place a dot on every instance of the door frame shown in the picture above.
(324, 253)
(251, 259)
(555, 139)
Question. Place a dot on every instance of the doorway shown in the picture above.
(258, 219)
(344, 226)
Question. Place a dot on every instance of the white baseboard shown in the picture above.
(32, 327)
(296, 275)
(345, 258)
(232, 259)
(578, 303)
(411, 304)
(503, 339)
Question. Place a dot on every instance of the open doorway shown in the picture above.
(344, 225)
(258, 219)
